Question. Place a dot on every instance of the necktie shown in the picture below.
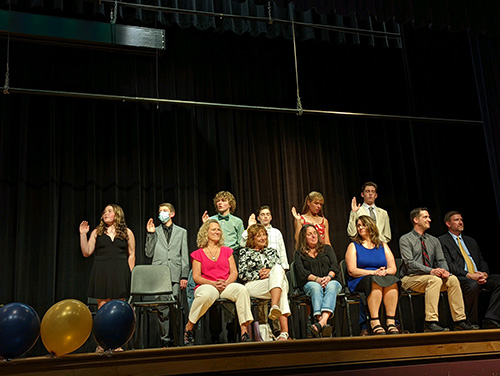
(221, 217)
(425, 255)
(468, 261)
(372, 214)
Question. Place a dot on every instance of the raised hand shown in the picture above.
(295, 214)
(205, 217)
(354, 205)
(251, 220)
(84, 227)
(150, 226)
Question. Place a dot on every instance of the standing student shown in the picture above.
(232, 226)
(312, 213)
(379, 215)
(167, 245)
(113, 246)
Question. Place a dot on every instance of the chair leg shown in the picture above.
(177, 324)
(138, 330)
(348, 316)
(296, 332)
(412, 313)
(304, 320)
(400, 314)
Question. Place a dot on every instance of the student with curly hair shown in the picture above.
(232, 226)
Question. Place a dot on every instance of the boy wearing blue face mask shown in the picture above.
(167, 245)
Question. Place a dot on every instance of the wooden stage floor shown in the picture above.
(408, 354)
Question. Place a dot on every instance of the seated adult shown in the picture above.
(215, 273)
(372, 268)
(465, 260)
(318, 274)
(260, 267)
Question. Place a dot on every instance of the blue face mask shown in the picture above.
(164, 216)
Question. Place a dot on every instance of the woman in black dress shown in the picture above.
(113, 245)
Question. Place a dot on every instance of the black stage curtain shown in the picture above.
(478, 17)
(174, 14)
(62, 160)
(486, 57)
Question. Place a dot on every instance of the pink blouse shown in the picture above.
(214, 270)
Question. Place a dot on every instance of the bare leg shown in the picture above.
(101, 302)
(390, 303)
(374, 300)
(275, 295)
(323, 320)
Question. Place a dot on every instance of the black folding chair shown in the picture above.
(351, 297)
(152, 281)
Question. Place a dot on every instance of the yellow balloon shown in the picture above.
(66, 326)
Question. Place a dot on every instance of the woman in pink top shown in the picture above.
(215, 273)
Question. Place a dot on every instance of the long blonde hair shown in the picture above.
(312, 196)
(202, 238)
(119, 223)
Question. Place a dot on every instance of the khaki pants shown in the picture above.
(432, 285)
(206, 295)
(261, 288)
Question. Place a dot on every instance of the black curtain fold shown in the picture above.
(486, 57)
(479, 17)
(269, 12)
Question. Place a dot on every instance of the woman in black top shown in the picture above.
(318, 274)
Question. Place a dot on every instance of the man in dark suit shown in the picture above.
(466, 262)
(167, 245)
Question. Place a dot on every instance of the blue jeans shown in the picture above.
(323, 299)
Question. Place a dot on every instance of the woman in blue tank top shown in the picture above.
(372, 268)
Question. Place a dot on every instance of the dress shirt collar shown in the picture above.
(367, 207)
(221, 217)
(415, 233)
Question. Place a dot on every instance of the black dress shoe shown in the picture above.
(464, 325)
(491, 324)
(433, 326)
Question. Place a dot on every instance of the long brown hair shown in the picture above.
(371, 228)
(302, 242)
(120, 224)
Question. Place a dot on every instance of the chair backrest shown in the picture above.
(293, 277)
(92, 305)
(151, 280)
(343, 272)
(399, 263)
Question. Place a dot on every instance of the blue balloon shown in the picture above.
(19, 329)
(114, 324)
